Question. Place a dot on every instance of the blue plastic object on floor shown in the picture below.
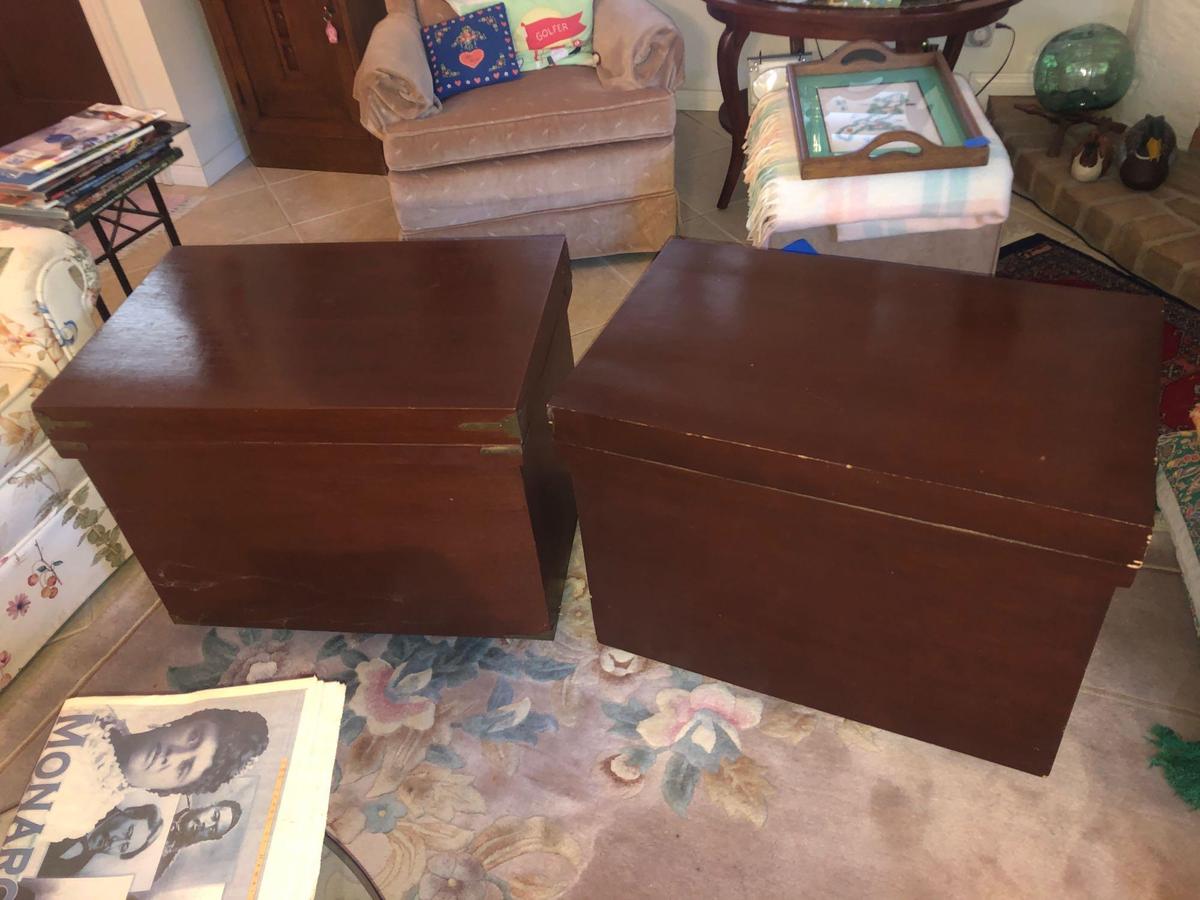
(800, 245)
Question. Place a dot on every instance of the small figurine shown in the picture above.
(1149, 145)
(1092, 157)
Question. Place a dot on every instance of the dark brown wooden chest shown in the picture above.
(897, 494)
(336, 436)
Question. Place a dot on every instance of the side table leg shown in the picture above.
(168, 225)
(952, 48)
(111, 256)
(729, 49)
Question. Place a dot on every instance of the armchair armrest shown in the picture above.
(393, 81)
(638, 44)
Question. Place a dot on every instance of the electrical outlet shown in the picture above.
(981, 37)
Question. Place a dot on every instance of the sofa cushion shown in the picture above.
(20, 385)
(34, 491)
(552, 109)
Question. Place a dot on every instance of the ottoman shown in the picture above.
(349, 437)
(898, 494)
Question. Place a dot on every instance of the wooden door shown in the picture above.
(49, 66)
(292, 87)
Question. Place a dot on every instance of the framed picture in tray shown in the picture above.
(865, 110)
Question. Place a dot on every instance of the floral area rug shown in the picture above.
(532, 770)
(1040, 258)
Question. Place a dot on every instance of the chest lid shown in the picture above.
(1024, 411)
(426, 342)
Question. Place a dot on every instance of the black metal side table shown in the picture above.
(109, 223)
(119, 219)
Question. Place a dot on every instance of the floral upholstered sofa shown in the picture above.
(58, 542)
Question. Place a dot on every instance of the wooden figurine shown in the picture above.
(1092, 157)
(1149, 145)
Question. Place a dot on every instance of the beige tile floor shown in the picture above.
(260, 205)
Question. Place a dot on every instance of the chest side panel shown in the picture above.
(403, 540)
(957, 639)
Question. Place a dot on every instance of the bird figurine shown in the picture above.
(1092, 157)
(1149, 145)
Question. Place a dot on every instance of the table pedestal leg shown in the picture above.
(952, 48)
(729, 50)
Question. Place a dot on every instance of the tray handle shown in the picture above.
(924, 145)
(859, 51)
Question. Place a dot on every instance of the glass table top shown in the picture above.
(872, 4)
(341, 878)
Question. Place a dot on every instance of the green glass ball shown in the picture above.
(1089, 67)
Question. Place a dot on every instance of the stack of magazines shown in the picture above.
(61, 175)
(208, 796)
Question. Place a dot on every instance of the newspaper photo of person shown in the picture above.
(207, 795)
(191, 826)
(207, 832)
(123, 833)
(194, 754)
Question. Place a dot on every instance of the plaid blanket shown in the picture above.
(866, 206)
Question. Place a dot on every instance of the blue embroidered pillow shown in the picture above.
(471, 51)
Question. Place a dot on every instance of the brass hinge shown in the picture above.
(509, 425)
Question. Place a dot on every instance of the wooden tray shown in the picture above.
(942, 132)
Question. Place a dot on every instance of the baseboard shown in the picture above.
(1016, 85)
(688, 98)
(210, 172)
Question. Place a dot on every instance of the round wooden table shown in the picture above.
(908, 25)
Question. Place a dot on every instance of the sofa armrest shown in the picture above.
(393, 81)
(638, 45)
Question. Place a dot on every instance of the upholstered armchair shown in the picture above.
(58, 542)
(575, 150)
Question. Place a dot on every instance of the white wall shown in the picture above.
(1165, 34)
(1035, 21)
(160, 55)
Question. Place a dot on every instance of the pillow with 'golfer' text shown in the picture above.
(471, 51)
(546, 32)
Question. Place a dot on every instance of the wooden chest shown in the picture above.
(901, 495)
(336, 436)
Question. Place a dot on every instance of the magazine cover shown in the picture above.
(72, 137)
(211, 795)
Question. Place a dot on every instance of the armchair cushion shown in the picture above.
(552, 109)
(638, 45)
(393, 83)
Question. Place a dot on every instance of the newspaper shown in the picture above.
(205, 796)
